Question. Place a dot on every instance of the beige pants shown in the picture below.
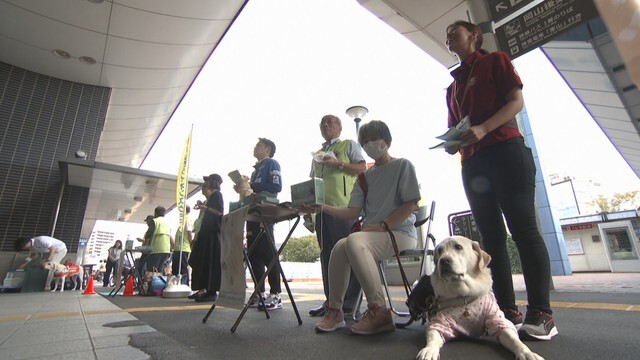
(362, 251)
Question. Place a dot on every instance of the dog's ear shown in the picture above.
(483, 257)
(435, 256)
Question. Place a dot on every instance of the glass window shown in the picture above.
(620, 244)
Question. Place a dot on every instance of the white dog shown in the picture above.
(62, 271)
(465, 305)
(243, 188)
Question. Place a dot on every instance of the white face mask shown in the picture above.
(375, 149)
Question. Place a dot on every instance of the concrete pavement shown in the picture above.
(597, 315)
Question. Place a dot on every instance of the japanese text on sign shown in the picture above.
(542, 23)
(500, 9)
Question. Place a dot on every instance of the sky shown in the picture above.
(284, 64)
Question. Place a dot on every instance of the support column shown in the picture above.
(479, 14)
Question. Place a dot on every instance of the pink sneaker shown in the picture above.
(333, 319)
(374, 321)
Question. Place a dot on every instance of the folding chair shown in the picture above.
(423, 251)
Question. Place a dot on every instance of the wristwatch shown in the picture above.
(341, 167)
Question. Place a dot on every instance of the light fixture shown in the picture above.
(81, 154)
(87, 60)
(357, 113)
(61, 54)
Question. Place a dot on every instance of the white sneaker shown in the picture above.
(272, 302)
(255, 300)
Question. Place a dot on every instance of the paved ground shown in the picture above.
(598, 316)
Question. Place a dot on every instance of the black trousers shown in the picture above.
(262, 254)
(329, 230)
(110, 267)
(498, 180)
(180, 265)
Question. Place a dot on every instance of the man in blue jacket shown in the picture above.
(265, 178)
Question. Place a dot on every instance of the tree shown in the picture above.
(303, 249)
(624, 201)
(514, 257)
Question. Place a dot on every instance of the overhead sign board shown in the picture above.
(500, 9)
(542, 23)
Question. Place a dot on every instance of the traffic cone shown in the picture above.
(128, 287)
(89, 289)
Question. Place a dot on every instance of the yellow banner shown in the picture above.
(182, 182)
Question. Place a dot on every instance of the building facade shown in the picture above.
(603, 242)
(44, 119)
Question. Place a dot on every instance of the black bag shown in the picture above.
(421, 299)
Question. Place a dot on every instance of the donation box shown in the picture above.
(310, 192)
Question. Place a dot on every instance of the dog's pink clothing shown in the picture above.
(485, 318)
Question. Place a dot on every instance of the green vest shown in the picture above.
(337, 183)
(161, 240)
(185, 246)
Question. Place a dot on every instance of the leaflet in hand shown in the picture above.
(319, 156)
(453, 136)
(236, 177)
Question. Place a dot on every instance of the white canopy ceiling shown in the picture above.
(593, 69)
(149, 52)
(119, 193)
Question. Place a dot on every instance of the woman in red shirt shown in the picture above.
(498, 174)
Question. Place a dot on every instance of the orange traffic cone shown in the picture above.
(128, 287)
(89, 289)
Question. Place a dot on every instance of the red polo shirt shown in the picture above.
(490, 77)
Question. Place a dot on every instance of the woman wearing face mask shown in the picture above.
(389, 203)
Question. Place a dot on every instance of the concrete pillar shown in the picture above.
(479, 14)
(548, 221)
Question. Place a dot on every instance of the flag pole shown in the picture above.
(182, 186)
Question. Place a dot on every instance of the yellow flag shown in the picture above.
(182, 182)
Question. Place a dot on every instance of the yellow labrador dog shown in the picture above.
(465, 305)
(62, 271)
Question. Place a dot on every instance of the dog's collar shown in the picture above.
(441, 304)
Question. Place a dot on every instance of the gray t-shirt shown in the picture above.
(389, 186)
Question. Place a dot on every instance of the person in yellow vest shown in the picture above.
(182, 250)
(160, 241)
(338, 163)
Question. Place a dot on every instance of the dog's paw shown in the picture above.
(428, 353)
(528, 355)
